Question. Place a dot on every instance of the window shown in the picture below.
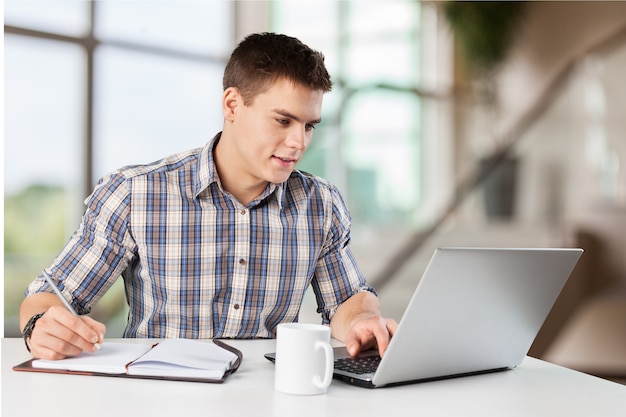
(83, 98)
(370, 143)
(148, 106)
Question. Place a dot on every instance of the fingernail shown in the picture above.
(97, 345)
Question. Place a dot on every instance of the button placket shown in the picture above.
(240, 270)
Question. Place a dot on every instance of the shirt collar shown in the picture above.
(207, 175)
(206, 171)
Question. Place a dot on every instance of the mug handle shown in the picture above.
(328, 374)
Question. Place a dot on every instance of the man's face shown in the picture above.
(271, 134)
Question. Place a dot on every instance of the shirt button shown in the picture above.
(242, 261)
(242, 212)
(236, 306)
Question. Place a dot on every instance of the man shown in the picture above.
(220, 241)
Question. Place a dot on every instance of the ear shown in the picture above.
(231, 100)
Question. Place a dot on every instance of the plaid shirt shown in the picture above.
(196, 262)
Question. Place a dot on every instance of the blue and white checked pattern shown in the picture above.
(197, 263)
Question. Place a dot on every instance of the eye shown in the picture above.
(309, 127)
(283, 122)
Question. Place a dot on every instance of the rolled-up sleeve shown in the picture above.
(337, 275)
(100, 249)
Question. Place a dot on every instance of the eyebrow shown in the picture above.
(296, 118)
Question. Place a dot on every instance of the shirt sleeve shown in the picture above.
(337, 275)
(100, 249)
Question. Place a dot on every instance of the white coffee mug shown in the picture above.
(304, 358)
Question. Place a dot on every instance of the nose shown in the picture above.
(298, 138)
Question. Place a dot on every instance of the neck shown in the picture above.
(232, 177)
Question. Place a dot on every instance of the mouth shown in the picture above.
(286, 162)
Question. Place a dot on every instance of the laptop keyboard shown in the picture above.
(358, 365)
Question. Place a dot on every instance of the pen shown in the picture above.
(63, 300)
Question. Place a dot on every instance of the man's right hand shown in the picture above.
(59, 333)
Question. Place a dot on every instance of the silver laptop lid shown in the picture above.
(475, 309)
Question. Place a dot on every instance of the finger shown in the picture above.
(364, 334)
(385, 337)
(78, 330)
(42, 352)
(353, 343)
(97, 327)
(50, 347)
(392, 326)
(382, 336)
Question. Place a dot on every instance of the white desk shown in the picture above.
(534, 389)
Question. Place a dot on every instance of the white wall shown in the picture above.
(552, 34)
(568, 155)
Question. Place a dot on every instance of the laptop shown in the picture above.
(475, 310)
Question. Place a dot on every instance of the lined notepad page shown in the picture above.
(111, 358)
(184, 358)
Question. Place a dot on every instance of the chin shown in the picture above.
(279, 179)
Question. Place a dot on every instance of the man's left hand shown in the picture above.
(368, 333)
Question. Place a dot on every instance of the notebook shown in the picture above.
(171, 359)
(475, 310)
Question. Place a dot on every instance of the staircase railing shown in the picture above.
(510, 139)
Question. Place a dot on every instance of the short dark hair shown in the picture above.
(263, 58)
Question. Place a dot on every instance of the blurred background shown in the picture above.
(450, 124)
